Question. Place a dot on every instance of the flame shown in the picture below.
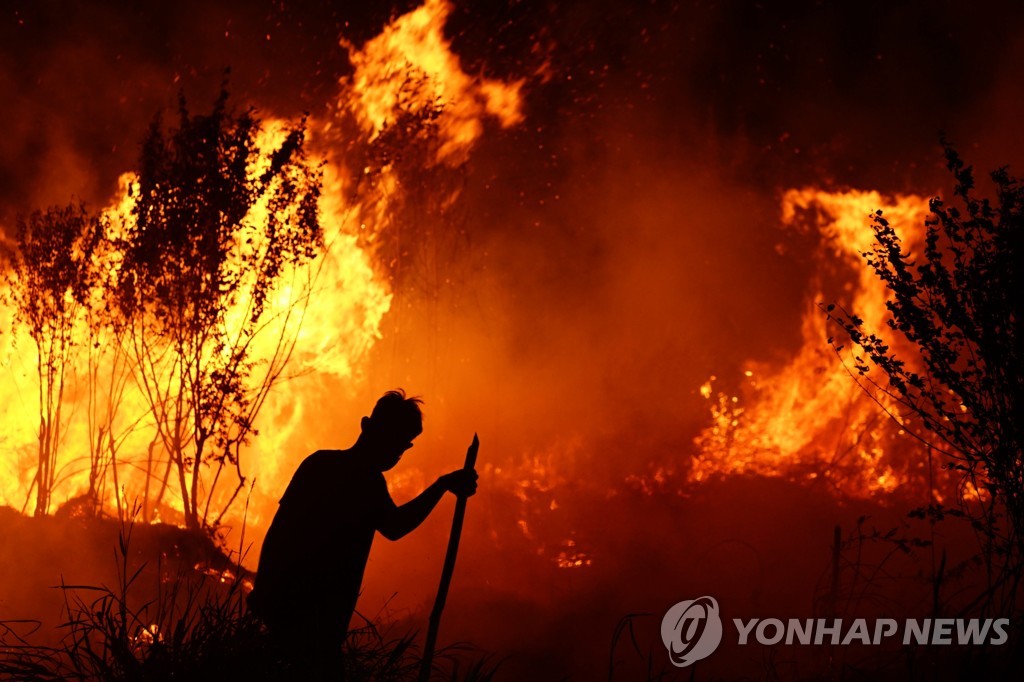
(536, 480)
(410, 68)
(809, 420)
(147, 635)
(225, 575)
(332, 307)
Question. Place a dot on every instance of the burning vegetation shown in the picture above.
(807, 420)
(161, 326)
(717, 348)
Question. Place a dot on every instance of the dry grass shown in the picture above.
(196, 627)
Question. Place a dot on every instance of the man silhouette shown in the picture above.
(316, 548)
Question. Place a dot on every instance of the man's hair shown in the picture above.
(397, 410)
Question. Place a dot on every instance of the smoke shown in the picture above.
(81, 84)
(607, 256)
(625, 247)
(625, 239)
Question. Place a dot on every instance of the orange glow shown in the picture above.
(570, 557)
(602, 238)
(339, 291)
(808, 420)
(148, 635)
(410, 69)
(331, 308)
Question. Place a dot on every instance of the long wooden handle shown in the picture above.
(447, 571)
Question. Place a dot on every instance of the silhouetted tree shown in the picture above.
(958, 303)
(50, 279)
(217, 221)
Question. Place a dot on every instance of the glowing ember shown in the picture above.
(571, 557)
(148, 635)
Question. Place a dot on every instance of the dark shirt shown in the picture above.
(316, 548)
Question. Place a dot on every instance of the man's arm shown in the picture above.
(398, 522)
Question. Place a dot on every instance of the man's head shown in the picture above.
(395, 422)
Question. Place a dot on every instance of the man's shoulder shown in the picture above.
(324, 459)
(322, 455)
(335, 463)
(315, 475)
(317, 468)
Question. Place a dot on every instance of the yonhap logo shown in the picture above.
(691, 630)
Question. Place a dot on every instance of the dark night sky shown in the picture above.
(782, 93)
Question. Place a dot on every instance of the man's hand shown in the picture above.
(462, 482)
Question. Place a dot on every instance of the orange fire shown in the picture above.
(806, 421)
(331, 308)
(410, 68)
(809, 420)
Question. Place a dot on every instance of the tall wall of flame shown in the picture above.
(406, 70)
